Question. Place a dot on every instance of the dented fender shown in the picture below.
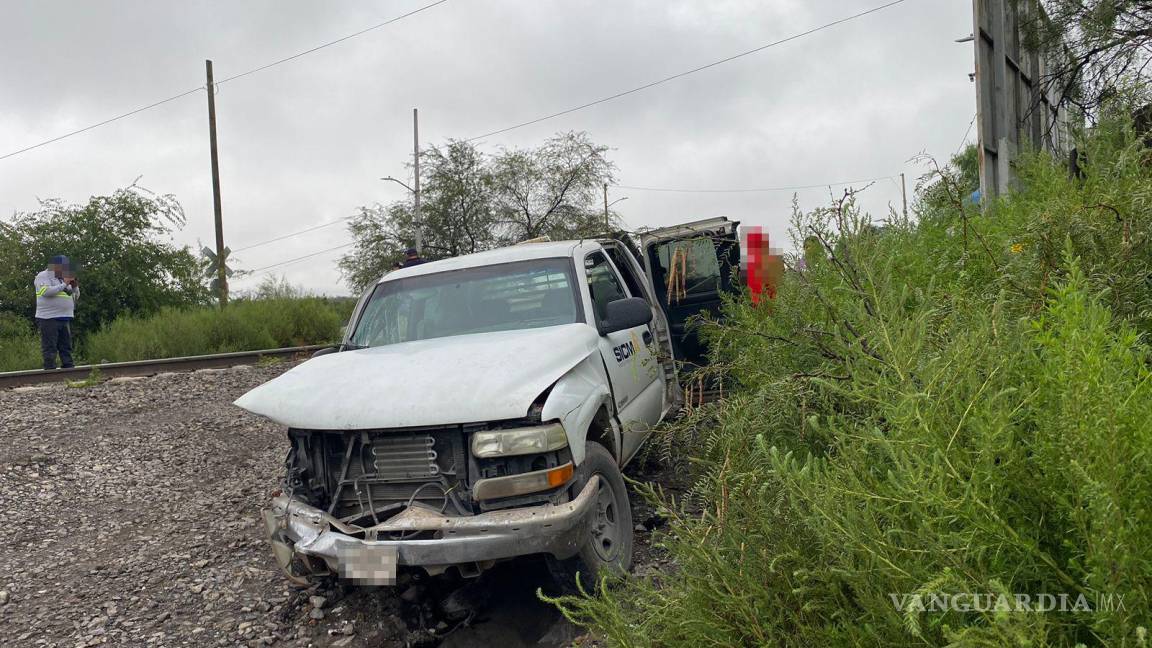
(576, 398)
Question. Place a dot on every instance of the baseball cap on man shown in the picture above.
(59, 259)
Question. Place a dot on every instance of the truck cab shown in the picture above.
(481, 408)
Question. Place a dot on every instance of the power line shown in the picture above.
(301, 258)
(755, 190)
(687, 72)
(964, 139)
(281, 238)
(99, 124)
(231, 78)
(331, 43)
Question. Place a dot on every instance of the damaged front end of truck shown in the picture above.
(362, 503)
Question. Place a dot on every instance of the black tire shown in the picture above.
(608, 548)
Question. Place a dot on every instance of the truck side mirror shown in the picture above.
(626, 313)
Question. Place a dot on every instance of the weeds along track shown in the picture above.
(136, 368)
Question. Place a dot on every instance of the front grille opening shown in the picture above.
(365, 477)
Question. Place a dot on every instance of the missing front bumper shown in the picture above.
(297, 529)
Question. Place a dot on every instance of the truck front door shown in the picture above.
(691, 267)
(637, 379)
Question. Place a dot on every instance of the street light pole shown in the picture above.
(607, 224)
(416, 189)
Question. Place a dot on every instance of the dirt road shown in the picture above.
(130, 512)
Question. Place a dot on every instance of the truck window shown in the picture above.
(602, 283)
(618, 255)
(689, 267)
(502, 297)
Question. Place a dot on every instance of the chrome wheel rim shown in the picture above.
(606, 527)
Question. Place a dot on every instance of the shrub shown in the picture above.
(245, 325)
(958, 404)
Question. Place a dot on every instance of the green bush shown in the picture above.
(19, 344)
(959, 404)
(245, 325)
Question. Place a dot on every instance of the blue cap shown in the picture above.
(59, 259)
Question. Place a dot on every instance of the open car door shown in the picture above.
(690, 267)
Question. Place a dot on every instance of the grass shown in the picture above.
(245, 325)
(958, 403)
(94, 377)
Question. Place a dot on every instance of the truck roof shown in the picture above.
(520, 252)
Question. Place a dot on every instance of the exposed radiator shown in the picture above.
(404, 457)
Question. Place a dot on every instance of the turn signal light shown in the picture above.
(532, 482)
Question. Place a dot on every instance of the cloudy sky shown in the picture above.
(304, 143)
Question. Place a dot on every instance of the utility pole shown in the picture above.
(904, 195)
(416, 184)
(607, 223)
(221, 276)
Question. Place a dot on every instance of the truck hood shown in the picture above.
(442, 381)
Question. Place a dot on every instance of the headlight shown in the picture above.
(519, 441)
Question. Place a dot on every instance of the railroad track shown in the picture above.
(10, 379)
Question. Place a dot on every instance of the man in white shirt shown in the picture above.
(56, 294)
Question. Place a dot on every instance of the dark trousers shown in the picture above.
(55, 337)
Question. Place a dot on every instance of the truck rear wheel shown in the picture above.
(607, 550)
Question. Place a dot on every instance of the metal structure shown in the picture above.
(150, 367)
(1011, 109)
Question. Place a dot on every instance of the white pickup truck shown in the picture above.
(481, 407)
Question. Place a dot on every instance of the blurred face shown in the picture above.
(57, 269)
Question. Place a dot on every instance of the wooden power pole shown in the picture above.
(221, 270)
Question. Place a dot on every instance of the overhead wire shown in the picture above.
(301, 258)
(964, 140)
(687, 72)
(755, 190)
(225, 80)
(286, 236)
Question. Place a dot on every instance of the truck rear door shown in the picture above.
(690, 267)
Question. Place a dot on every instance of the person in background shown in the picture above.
(56, 293)
(411, 258)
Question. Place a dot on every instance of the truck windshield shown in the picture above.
(503, 297)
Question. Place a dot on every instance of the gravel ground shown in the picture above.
(131, 517)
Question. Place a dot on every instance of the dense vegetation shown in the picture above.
(474, 201)
(127, 262)
(958, 403)
(142, 295)
(245, 325)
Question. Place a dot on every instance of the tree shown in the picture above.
(381, 235)
(1097, 50)
(551, 191)
(457, 210)
(127, 260)
(473, 202)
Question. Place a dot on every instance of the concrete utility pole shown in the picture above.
(607, 218)
(222, 277)
(416, 183)
(607, 223)
(904, 195)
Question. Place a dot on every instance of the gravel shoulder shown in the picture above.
(131, 517)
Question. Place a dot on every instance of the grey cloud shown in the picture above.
(305, 143)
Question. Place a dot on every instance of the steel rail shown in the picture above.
(151, 367)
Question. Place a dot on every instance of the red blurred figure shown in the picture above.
(763, 265)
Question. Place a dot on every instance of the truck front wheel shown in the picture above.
(607, 550)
